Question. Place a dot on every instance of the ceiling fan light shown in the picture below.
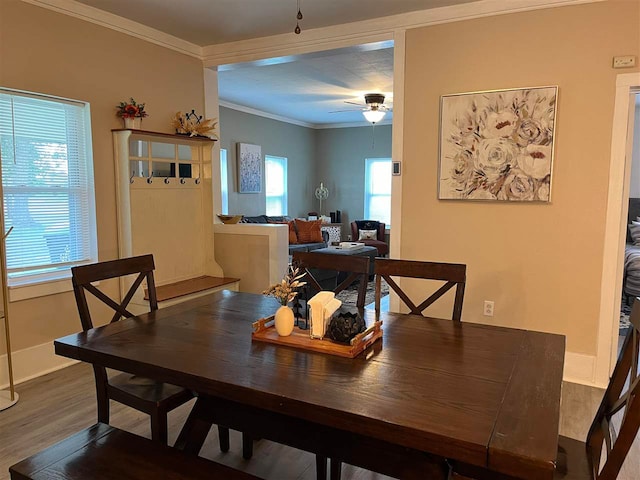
(373, 116)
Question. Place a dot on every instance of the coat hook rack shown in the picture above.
(150, 178)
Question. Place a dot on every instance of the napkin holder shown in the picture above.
(321, 308)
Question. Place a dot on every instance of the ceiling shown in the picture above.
(303, 88)
(208, 22)
(312, 86)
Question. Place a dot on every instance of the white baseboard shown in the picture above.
(580, 368)
(32, 362)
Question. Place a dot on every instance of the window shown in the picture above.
(377, 190)
(224, 182)
(47, 181)
(276, 184)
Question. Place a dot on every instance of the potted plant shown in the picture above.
(131, 113)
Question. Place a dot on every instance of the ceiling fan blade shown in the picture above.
(342, 111)
(355, 103)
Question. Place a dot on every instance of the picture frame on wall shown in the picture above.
(249, 168)
(497, 145)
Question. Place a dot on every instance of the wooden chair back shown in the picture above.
(356, 266)
(83, 276)
(621, 397)
(453, 274)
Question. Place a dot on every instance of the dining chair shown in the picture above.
(453, 274)
(145, 395)
(355, 266)
(613, 430)
(610, 437)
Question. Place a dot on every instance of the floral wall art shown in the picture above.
(497, 145)
(249, 168)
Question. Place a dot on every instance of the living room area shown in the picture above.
(318, 154)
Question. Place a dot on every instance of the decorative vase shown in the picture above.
(284, 321)
(133, 123)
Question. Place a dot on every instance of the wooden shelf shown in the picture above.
(187, 287)
(173, 136)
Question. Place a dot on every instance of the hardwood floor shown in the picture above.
(54, 406)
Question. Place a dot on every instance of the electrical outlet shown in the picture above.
(488, 308)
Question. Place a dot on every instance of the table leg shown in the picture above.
(195, 429)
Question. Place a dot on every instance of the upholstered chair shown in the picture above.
(371, 233)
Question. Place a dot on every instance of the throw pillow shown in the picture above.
(367, 235)
(293, 236)
(309, 232)
(634, 230)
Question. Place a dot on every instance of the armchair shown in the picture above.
(369, 225)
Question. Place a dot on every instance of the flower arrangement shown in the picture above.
(131, 109)
(286, 290)
(194, 125)
(498, 145)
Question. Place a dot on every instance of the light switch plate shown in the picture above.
(625, 61)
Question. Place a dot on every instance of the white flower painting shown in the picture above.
(497, 145)
(249, 168)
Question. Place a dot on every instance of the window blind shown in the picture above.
(377, 190)
(47, 182)
(275, 185)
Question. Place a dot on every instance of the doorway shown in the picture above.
(631, 266)
(627, 86)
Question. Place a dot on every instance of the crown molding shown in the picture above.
(260, 113)
(325, 126)
(366, 31)
(119, 24)
(327, 38)
(300, 123)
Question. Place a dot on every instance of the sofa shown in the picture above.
(296, 244)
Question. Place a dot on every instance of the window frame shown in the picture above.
(369, 195)
(55, 277)
(284, 198)
(224, 182)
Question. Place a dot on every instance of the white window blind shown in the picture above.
(276, 185)
(224, 182)
(47, 181)
(377, 190)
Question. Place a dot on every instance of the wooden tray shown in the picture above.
(264, 331)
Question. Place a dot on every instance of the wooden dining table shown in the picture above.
(483, 396)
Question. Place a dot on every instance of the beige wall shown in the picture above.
(51, 53)
(540, 263)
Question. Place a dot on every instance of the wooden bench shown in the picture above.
(177, 292)
(104, 452)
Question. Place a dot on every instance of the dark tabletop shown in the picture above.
(484, 395)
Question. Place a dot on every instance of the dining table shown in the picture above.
(482, 396)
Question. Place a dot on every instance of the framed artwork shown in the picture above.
(497, 145)
(249, 168)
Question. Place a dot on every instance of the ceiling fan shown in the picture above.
(374, 110)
